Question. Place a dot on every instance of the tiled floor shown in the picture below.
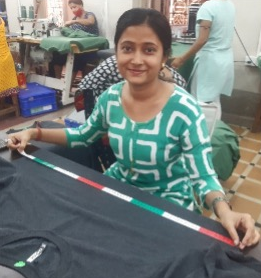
(243, 188)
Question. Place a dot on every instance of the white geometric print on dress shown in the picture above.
(189, 102)
(205, 155)
(168, 148)
(93, 137)
(124, 173)
(152, 151)
(200, 132)
(187, 143)
(176, 182)
(131, 149)
(175, 117)
(112, 105)
(169, 169)
(156, 127)
(119, 139)
(144, 172)
(193, 167)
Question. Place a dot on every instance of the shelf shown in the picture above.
(26, 19)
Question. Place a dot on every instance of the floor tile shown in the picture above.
(255, 136)
(255, 173)
(240, 204)
(247, 155)
(250, 188)
(240, 168)
(228, 184)
(250, 144)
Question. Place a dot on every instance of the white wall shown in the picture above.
(107, 13)
(13, 12)
(248, 27)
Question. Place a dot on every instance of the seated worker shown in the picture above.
(85, 21)
(156, 129)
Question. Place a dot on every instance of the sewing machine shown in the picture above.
(34, 52)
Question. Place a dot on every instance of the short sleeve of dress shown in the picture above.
(205, 12)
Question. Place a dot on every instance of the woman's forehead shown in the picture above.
(140, 33)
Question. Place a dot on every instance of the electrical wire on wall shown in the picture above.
(247, 54)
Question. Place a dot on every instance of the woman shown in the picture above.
(156, 129)
(84, 21)
(213, 70)
(8, 78)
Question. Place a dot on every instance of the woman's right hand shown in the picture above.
(19, 140)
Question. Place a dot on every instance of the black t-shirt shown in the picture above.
(83, 232)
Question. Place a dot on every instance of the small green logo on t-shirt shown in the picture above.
(20, 264)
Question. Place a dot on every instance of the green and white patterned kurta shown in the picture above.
(168, 156)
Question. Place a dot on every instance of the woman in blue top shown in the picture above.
(213, 70)
(156, 129)
(84, 21)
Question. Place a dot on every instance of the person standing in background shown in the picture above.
(213, 69)
(8, 77)
(84, 21)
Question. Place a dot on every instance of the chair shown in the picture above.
(101, 148)
(211, 112)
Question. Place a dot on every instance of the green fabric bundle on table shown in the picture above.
(84, 41)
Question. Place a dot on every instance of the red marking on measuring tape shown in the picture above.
(217, 236)
(90, 182)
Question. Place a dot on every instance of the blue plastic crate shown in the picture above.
(36, 99)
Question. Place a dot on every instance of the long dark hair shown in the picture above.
(153, 18)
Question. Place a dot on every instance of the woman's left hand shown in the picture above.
(177, 62)
(233, 221)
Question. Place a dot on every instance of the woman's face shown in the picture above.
(76, 9)
(139, 55)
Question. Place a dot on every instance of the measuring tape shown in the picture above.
(135, 202)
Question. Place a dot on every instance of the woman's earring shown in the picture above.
(162, 66)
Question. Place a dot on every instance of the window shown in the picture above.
(181, 13)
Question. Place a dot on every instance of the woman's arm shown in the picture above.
(202, 39)
(20, 139)
(90, 20)
(197, 155)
